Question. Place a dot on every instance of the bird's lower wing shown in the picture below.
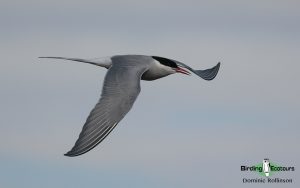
(120, 89)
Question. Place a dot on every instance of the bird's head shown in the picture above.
(170, 65)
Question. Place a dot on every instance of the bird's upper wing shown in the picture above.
(208, 74)
(120, 89)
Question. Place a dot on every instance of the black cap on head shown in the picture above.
(165, 61)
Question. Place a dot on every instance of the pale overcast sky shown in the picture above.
(182, 131)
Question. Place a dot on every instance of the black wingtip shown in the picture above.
(69, 154)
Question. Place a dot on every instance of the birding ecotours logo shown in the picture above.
(265, 170)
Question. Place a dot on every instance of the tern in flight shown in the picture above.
(120, 89)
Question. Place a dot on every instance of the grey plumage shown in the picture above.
(120, 89)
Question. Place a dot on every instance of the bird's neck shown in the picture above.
(157, 71)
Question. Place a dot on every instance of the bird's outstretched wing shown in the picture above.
(120, 89)
(208, 74)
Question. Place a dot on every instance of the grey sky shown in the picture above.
(204, 130)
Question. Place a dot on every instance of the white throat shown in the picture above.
(157, 70)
